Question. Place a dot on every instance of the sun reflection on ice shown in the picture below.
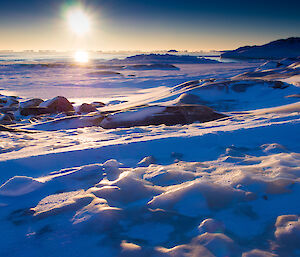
(81, 57)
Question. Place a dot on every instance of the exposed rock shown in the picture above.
(10, 115)
(34, 111)
(8, 109)
(58, 104)
(8, 103)
(12, 101)
(156, 115)
(85, 108)
(98, 104)
(7, 119)
(279, 85)
(31, 103)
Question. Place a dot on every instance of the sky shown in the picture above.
(147, 25)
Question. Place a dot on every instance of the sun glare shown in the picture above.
(78, 22)
(81, 57)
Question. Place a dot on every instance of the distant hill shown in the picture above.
(163, 58)
(282, 48)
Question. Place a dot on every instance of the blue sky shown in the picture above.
(148, 25)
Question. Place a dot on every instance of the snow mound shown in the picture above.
(146, 161)
(258, 253)
(241, 95)
(197, 198)
(288, 230)
(155, 210)
(19, 185)
(290, 63)
(218, 244)
(96, 216)
(59, 203)
(211, 226)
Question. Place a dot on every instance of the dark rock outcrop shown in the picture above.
(58, 104)
(34, 111)
(7, 119)
(98, 104)
(31, 103)
(86, 108)
(170, 115)
(8, 109)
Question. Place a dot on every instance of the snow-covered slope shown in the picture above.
(227, 187)
(278, 49)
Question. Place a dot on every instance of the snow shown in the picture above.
(19, 185)
(133, 116)
(288, 230)
(163, 58)
(227, 187)
(278, 49)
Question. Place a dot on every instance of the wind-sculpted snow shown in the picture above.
(211, 207)
(246, 193)
(96, 179)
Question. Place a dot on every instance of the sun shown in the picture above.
(81, 57)
(78, 21)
